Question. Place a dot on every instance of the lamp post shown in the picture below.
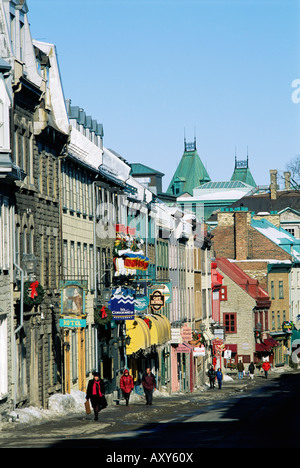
(202, 327)
(29, 263)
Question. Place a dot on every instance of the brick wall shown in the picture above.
(234, 238)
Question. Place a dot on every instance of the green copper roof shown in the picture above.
(233, 184)
(141, 169)
(242, 173)
(189, 174)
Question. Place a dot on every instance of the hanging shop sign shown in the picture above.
(71, 322)
(227, 354)
(141, 303)
(186, 333)
(288, 326)
(199, 351)
(72, 298)
(164, 288)
(121, 304)
(129, 256)
(157, 300)
(141, 299)
(218, 346)
(176, 337)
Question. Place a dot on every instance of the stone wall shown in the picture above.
(239, 302)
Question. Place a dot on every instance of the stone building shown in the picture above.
(244, 311)
(266, 253)
(9, 175)
(36, 144)
(277, 200)
(62, 199)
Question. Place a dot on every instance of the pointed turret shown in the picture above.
(242, 172)
(190, 172)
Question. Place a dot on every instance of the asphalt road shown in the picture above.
(244, 414)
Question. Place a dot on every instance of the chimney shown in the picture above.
(241, 226)
(273, 184)
(287, 180)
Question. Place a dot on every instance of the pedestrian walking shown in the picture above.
(219, 376)
(212, 376)
(240, 368)
(96, 394)
(126, 385)
(266, 367)
(149, 385)
(251, 370)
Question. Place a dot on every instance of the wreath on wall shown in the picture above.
(34, 293)
(103, 315)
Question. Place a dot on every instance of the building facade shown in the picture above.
(79, 234)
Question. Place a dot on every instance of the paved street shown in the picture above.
(259, 413)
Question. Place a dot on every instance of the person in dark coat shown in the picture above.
(240, 368)
(212, 376)
(251, 369)
(95, 392)
(149, 385)
(126, 385)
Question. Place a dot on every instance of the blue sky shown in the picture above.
(150, 70)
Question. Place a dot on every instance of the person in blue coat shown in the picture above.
(219, 377)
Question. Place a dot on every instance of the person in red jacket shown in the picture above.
(126, 385)
(266, 367)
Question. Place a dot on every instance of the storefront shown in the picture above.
(182, 360)
(147, 346)
(267, 350)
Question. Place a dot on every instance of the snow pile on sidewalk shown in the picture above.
(59, 405)
(227, 378)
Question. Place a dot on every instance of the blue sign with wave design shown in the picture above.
(121, 304)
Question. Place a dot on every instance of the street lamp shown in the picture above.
(29, 262)
(106, 294)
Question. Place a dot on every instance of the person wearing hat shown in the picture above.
(95, 392)
(126, 385)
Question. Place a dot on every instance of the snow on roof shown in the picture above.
(219, 195)
(279, 236)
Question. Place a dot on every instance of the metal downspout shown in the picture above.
(16, 331)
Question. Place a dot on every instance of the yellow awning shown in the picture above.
(167, 327)
(139, 334)
(160, 331)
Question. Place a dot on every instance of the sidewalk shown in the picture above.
(68, 406)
